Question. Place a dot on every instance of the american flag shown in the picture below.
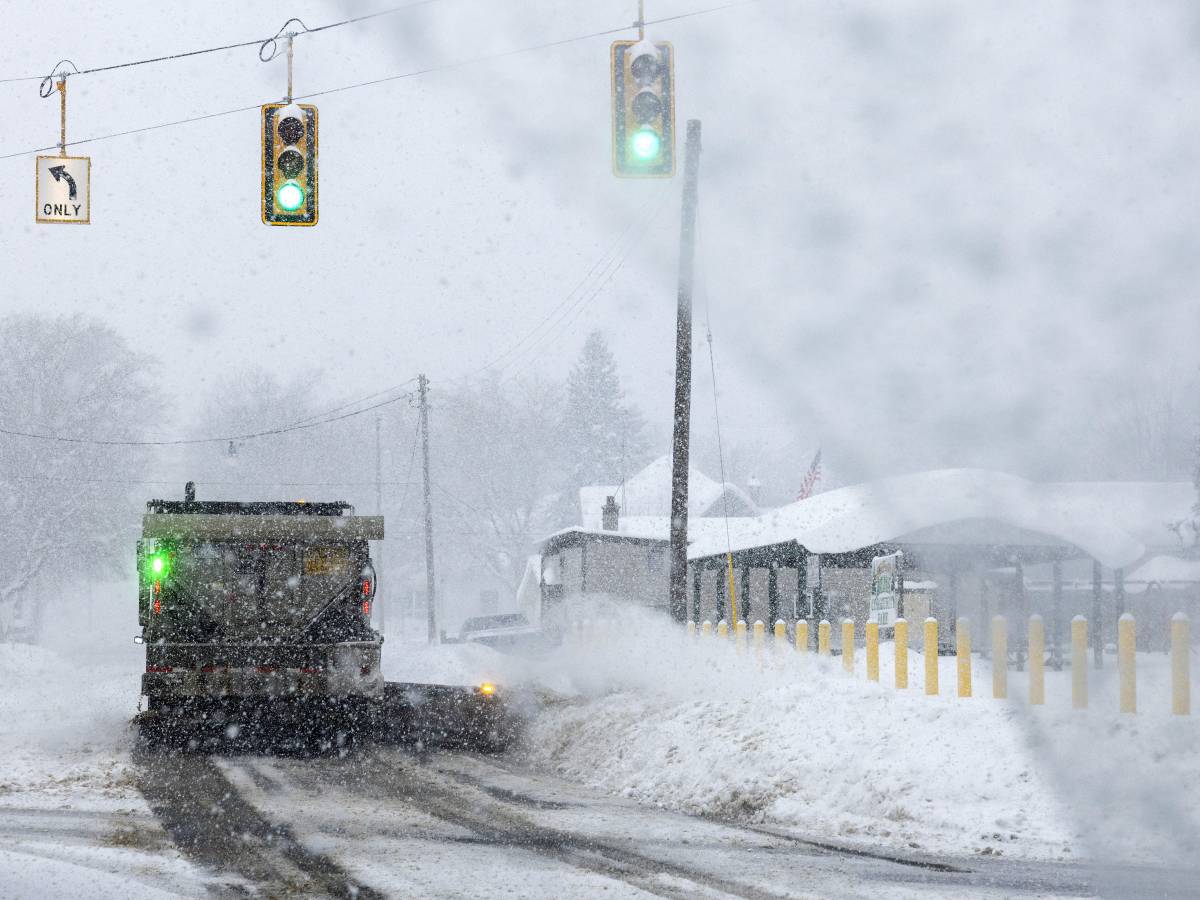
(811, 479)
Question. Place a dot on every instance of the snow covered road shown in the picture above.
(390, 823)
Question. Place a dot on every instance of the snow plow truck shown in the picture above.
(256, 619)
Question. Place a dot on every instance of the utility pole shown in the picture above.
(379, 603)
(423, 392)
(683, 374)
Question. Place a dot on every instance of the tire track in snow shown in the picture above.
(212, 824)
(435, 793)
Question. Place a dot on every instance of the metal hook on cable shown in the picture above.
(46, 88)
(273, 42)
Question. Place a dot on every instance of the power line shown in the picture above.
(426, 71)
(200, 481)
(261, 42)
(330, 412)
(577, 308)
(207, 440)
(551, 318)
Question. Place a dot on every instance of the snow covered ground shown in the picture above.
(72, 822)
(794, 741)
(785, 740)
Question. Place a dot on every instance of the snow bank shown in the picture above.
(72, 822)
(64, 726)
(795, 741)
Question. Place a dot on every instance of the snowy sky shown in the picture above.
(933, 233)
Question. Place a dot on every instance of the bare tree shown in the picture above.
(497, 469)
(67, 507)
(1145, 432)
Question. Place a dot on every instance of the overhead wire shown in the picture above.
(712, 364)
(562, 322)
(351, 403)
(236, 46)
(388, 78)
(284, 429)
(513, 347)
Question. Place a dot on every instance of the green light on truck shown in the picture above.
(158, 566)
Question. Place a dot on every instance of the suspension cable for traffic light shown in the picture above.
(261, 42)
(457, 64)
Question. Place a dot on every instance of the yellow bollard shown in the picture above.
(1037, 661)
(1127, 661)
(1181, 691)
(760, 635)
(722, 629)
(780, 633)
(901, 638)
(848, 644)
(691, 629)
(931, 656)
(999, 657)
(706, 629)
(1079, 686)
(962, 649)
(739, 635)
(823, 638)
(872, 641)
(801, 636)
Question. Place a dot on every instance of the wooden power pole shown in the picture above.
(380, 607)
(423, 392)
(683, 374)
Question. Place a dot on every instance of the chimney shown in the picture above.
(754, 489)
(610, 514)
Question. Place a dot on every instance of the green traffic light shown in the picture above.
(289, 196)
(158, 565)
(645, 145)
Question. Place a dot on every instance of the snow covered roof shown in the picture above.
(648, 493)
(1114, 522)
(646, 528)
(1164, 570)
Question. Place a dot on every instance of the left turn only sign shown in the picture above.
(64, 189)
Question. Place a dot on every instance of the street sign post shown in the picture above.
(64, 190)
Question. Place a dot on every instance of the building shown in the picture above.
(619, 552)
(974, 543)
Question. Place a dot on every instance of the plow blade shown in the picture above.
(439, 715)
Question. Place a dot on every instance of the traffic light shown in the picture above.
(643, 92)
(289, 164)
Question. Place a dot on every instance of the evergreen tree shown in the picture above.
(604, 437)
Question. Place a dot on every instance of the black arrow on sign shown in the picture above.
(60, 172)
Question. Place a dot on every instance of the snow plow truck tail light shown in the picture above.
(487, 689)
(160, 669)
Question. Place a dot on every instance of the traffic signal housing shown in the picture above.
(289, 164)
(643, 94)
